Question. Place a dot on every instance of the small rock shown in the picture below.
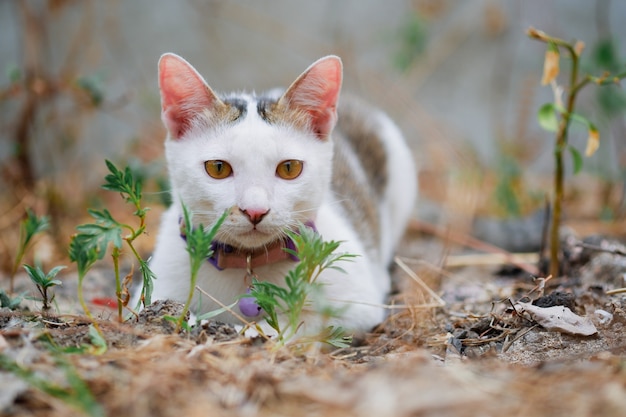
(152, 318)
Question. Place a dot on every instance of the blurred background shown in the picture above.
(78, 84)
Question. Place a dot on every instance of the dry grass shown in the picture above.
(463, 358)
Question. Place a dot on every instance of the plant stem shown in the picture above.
(83, 304)
(561, 145)
(18, 259)
(115, 254)
(193, 280)
(556, 213)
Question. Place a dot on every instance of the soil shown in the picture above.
(459, 342)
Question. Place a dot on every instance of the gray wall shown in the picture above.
(476, 83)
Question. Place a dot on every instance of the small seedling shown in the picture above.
(199, 249)
(44, 283)
(556, 117)
(97, 344)
(84, 256)
(9, 302)
(29, 228)
(93, 239)
(300, 288)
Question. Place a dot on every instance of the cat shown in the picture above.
(274, 161)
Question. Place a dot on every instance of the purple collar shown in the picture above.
(226, 256)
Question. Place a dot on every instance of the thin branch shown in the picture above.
(613, 251)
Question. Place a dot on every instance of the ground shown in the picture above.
(457, 344)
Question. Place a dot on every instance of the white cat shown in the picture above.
(275, 161)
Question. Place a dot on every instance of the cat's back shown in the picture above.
(374, 178)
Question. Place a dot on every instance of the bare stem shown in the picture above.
(81, 300)
(118, 285)
(561, 143)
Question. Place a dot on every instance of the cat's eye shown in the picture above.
(218, 169)
(290, 169)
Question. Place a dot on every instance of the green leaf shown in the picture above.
(82, 254)
(576, 158)
(29, 227)
(181, 324)
(123, 182)
(103, 217)
(147, 278)
(34, 273)
(578, 118)
(606, 56)
(198, 239)
(93, 87)
(412, 38)
(105, 231)
(39, 278)
(14, 73)
(547, 117)
(336, 337)
(214, 313)
(8, 302)
(97, 340)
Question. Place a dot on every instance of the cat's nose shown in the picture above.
(255, 215)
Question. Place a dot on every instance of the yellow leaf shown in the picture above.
(593, 142)
(550, 66)
(578, 47)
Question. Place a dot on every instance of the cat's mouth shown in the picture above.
(253, 238)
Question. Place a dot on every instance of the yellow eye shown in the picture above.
(290, 169)
(218, 169)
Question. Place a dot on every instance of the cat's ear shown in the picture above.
(184, 94)
(316, 93)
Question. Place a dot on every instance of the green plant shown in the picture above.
(301, 291)
(84, 256)
(9, 302)
(75, 392)
(97, 343)
(556, 117)
(93, 239)
(29, 228)
(199, 248)
(44, 282)
(412, 39)
(512, 196)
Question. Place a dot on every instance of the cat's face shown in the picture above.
(268, 177)
(267, 161)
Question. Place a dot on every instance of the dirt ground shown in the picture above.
(457, 343)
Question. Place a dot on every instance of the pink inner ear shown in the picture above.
(184, 94)
(316, 92)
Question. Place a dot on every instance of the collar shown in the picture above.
(225, 256)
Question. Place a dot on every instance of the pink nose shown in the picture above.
(255, 215)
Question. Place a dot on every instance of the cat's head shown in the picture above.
(267, 160)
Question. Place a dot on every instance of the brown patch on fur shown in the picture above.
(220, 113)
(279, 112)
(356, 197)
(357, 126)
(360, 188)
